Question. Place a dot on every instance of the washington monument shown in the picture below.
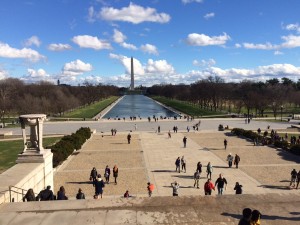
(132, 76)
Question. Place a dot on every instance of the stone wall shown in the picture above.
(24, 176)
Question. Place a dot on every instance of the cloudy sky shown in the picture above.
(171, 41)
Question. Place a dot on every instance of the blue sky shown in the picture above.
(171, 41)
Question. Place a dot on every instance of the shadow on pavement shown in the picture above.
(275, 187)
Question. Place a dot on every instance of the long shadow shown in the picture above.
(285, 181)
(222, 167)
(80, 182)
(163, 171)
(119, 143)
(275, 187)
(265, 217)
(183, 176)
(180, 187)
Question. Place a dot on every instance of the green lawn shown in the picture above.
(9, 151)
(186, 107)
(91, 110)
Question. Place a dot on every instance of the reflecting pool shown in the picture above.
(138, 106)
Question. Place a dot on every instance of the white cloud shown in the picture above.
(3, 74)
(267, 46)
(86, 41)
(118, 36)
(91, 15)
(40, 73)
(77, 67)
(150, 49)
(237, 45)
(209, 15)
(159, 67)
(204, 63)
(278, 53)
(59, 47)
(204, 40)
(25, 53)
(126, 62)
(190, 1)
(291, 41)
(133, 13)
(33, 76)
(34, 40)
(294, 27)
(128, 46)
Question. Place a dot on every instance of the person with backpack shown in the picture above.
(150, 188)
(208, 187)
(196, 178)
(177, 164)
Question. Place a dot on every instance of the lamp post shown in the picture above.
(281, 107)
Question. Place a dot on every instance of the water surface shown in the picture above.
(138, 106)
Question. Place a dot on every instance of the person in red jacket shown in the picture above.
(150, 188)
(208, 187)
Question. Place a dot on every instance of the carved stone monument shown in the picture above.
(33, 150)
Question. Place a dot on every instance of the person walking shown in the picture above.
(158, 129)
(221, 184)
(196, 178)
(225, 143)
(209, 170)
(93, 175)
(177, 163)
(293, 178)
(115, 173)
(183, 164)
(175, 187)
(229, 159)
(199, 168)
(80, 194)
(237, 160)
(298, 179)
(150, 188)
(208, 187)
(184, 141)
(238, 188)
(107, 174)
(169, 134)
(99, 185)
(128, 138)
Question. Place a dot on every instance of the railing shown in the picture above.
(17, 191)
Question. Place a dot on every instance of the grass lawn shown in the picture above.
(185, 107)
(9, 151)
(91, 110)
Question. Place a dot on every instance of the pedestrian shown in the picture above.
(115, 173)
(177, 163)
(221, 184)
(183, 164)
(188, 129)
(150, 188)
(199, 168)
(209, 170)
(107, 174)
(158, 129)
(126, 194)
(129, 138)
(298, 179)
(196, 178)
(99, 185)
(238, 188)
(175, 187)
(80, 194)
(169, 134)
(29, 196)
(93, 175)
(46, 195)
(184, 141)
(229, 159)
(135, 127)
(247, 212)
(237, 160)
(112, 132)
(293, 178)
(208, 187)
(61, 194)
(255, 217)
(225, 143)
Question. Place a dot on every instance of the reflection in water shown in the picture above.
(138, 106)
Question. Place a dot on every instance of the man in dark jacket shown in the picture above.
(46, 195)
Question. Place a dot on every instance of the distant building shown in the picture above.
(132, 76)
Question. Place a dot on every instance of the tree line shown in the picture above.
(215, 94)
(18, 98)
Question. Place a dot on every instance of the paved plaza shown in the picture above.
(264, 173)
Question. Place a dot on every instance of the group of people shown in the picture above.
(99, 183)
(180, 162)
(48, 195)
(250, 217)
(236, 160)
